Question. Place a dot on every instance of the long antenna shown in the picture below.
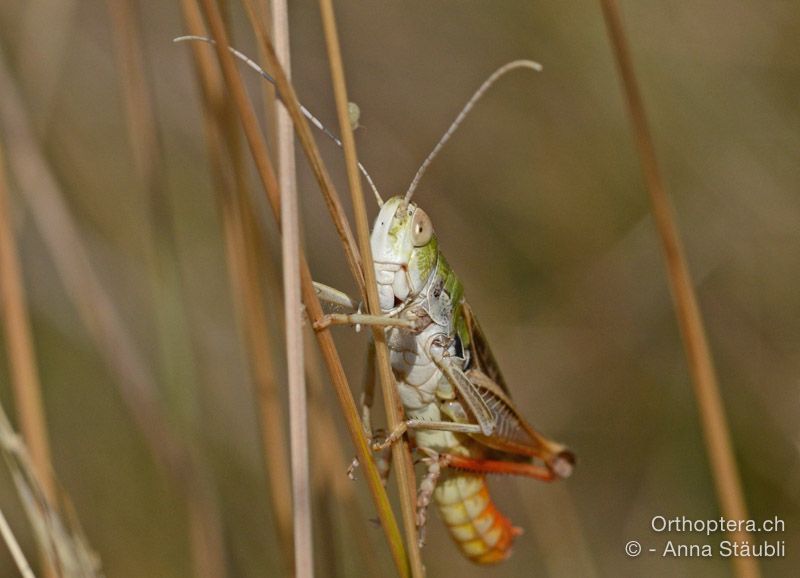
(487, 84)
(314, 120)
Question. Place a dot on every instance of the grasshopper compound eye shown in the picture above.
(421, 228)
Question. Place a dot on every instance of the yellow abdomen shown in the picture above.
(482, 533)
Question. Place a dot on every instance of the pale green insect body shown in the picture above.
(445, 361)
(416, 282)
(447, 375)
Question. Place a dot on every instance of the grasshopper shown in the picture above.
(458, 408)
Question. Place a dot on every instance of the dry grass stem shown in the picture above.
(46, 29)
(313, 308)
(22, 357)
(176, 355)
(243, 254)
(260, 17)
(404, 468)
(329, 471)
(139, 106)
(13, 547)
(64, 546)
(43, 195)
(19, 341)
(293, 315)
(290, 101)
(94, 305)
(701, 367)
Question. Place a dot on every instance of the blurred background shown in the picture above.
(539, 206)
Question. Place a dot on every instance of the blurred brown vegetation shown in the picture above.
(539, 205)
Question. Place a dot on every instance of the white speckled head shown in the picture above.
(403, 248)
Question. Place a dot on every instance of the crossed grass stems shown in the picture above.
(219, 121)
(709, 400)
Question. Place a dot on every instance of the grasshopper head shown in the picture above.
(404, 249)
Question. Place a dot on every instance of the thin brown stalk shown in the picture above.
(248, 298)
(328, 463)
(25, 376)
(261, 19)
(272, 412)
(93, 303)
(313, 308)
(260, 15)
(261, 348)
(324, 435)
(242, 242)
(139, 108)
(404, 468)
(21, 354)
(59, 231)
(46, 29)
(701, 366)
(19, 341)
(306, 138)
(293, 314)
(177, 365)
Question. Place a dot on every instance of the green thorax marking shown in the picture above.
(452, 287)
(424, 259)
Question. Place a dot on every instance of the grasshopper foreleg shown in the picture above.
(351, 469)
(335, 297)
(362, 319)
(353, 316)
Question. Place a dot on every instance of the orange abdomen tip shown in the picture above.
(482, 533)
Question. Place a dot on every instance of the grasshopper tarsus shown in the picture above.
(351, 469)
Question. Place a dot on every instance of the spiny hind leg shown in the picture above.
(557, 457)
(483, 466)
